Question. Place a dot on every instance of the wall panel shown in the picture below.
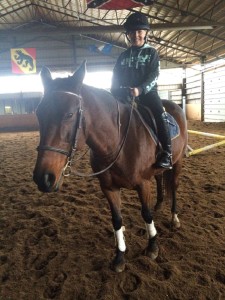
(214, 95)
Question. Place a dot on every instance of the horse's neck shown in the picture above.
(102, 123)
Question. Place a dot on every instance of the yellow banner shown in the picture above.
(23, 60)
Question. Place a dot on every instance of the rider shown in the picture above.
(138, 69)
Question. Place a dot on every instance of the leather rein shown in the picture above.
(67, 169)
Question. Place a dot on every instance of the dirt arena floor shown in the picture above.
(59, 246)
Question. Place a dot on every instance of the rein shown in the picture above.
(117, 155)
(67, 170)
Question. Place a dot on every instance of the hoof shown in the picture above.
(119, 268)
(175, 225)
(152, 249)
(153, 254)
(118, 263)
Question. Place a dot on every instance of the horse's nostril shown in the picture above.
(49, 180)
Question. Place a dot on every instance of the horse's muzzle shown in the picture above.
(46, 182)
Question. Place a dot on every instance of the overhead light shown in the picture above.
(181, 26)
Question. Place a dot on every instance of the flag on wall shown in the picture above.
(104, 49)
(115, 4)
(23, 60)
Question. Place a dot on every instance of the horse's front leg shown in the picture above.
(144, 192)
(113, 197)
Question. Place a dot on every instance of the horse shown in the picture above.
(73, 115)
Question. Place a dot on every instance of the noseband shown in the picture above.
(73, 145)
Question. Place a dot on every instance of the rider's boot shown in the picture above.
(164, 158)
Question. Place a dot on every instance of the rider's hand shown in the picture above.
(135, 92)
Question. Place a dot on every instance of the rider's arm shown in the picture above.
(116, 82)
(152, 73)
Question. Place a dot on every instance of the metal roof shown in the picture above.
(183, 31)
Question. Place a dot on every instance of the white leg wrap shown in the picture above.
(151, 231)
(175, 218)
(120, 239)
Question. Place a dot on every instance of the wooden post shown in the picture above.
(184, 91)
(74, 52)
(202, 89)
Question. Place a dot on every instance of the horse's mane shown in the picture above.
(99, 92)
(96, 90)
(66, 84)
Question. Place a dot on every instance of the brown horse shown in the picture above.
(123, 153)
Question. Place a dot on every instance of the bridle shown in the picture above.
(66, 171)
(71, 153)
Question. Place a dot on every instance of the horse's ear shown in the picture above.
(78, 76)
(46, 76)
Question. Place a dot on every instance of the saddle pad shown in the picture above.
(173, 127)
(146, 119)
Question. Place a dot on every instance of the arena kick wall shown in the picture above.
(23, 122)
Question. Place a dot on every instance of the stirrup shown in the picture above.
(164, 161)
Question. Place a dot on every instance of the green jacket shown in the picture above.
(136, 67)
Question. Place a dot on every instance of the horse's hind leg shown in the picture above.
(113, 197)
(176, 178)
(171, 178)
(159, 185)
(144, 192)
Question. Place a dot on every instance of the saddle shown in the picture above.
(149, 122)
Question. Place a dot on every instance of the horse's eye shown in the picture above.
(68, 116)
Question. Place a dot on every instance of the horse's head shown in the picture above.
(59, 115)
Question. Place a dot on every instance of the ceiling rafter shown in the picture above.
(197, 31)
(15, 10)
(211, 8)
(179, 10)
(169, 18)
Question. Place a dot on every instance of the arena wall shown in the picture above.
(22, 122)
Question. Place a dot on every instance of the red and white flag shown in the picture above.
(117, 4)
